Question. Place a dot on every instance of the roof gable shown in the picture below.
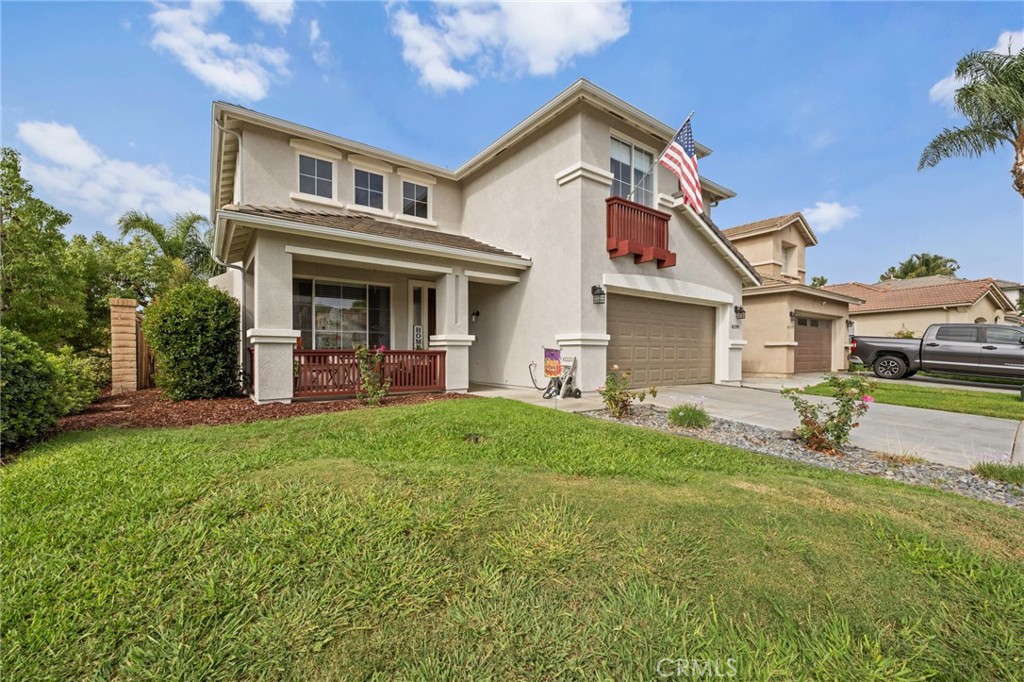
(776, 224)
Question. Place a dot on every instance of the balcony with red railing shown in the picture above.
(634, 229)
(333, 373)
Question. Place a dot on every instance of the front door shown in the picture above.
(422, 314)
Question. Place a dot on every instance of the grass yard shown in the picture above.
(1004, 405)
(486, 539)
(999, 381)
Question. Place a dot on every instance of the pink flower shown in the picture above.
(615, 368)
(868, 399)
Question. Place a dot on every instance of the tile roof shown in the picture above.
(351, 221)
(915, 282)
(879, 298)
(767, 223)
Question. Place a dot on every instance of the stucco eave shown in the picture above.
(802, 290)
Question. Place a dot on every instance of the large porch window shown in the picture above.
(341, 315)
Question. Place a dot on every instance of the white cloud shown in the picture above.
(80, 177)
(278, 12)
(944, 90)
(462, 42)
(321, 48)
(826, 216)
(243, 71)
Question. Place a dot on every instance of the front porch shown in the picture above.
(310, 301)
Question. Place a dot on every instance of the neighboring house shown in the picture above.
(1015, 292)
(901, 306)
(790, 327)
(465, 275)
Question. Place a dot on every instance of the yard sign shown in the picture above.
(552, 362)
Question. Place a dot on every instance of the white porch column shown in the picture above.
(591, 353)
(272, 335)
(453, 335)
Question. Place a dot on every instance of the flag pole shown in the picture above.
(658, 157)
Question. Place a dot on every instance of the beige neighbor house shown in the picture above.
(790, 327)
(902, 306)
(464, 275)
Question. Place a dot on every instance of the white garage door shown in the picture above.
(661, 342)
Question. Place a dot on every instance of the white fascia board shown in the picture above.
(490, 277)
(583, 339)
(273, 123)
(367, 260)
(335, 234)
(666, 289)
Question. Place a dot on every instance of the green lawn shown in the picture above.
(386, 544)
(999, 381)
(1004, 405)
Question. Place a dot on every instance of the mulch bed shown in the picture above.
(146, 409)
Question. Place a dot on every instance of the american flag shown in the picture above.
(681, 158)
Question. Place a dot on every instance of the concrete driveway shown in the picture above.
(945, 437)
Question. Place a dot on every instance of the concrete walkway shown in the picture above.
(945, 437)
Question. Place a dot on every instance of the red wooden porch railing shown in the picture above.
(336, 372)
(638, 230)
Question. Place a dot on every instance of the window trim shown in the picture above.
(375, 170)
(314, 198)
(334, 280)
(430, 202)
(634, 142)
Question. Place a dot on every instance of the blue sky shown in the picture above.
(821, 107)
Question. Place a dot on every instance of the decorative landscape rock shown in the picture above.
(853, 459)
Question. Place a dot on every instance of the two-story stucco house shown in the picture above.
(466, 274)
(791, 327)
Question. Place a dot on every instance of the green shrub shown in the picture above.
(193, 331)
(617, 395)
(373, 387)
(826, 427)
(29, 405)
(689, 416)
(79, 379)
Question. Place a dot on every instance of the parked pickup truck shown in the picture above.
(975, 349)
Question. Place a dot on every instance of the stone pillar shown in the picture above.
(453, 335)
(272, 335)
(124, 369)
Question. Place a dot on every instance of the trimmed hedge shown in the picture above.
(193, 331)
(79, 379)
(29, 401)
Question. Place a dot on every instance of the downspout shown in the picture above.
(216, 259)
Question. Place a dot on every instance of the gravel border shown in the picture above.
(852, 460)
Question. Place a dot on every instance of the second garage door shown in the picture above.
(661, 342)
(814, 345)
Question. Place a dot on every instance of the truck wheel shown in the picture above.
(890, 367)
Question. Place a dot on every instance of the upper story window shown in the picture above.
(415, 200)
(788, 260)
(316, 176)
(369, 189)
(630, 167)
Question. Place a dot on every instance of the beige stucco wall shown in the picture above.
(270, 174)
(764, 251)
(770, 334)
(917, 321)
(520, 205)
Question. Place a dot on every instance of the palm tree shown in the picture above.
(184, 241)
(992, 100)
(922, 265)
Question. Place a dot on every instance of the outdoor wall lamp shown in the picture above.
(598, 293)
(741, 313)
(792, 315)
(474, 316)
(849, 324)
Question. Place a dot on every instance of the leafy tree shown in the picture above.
(819, 281)
(992, 101)
(922, 265)
(114, 269)
(41, 294)
(185, 240)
